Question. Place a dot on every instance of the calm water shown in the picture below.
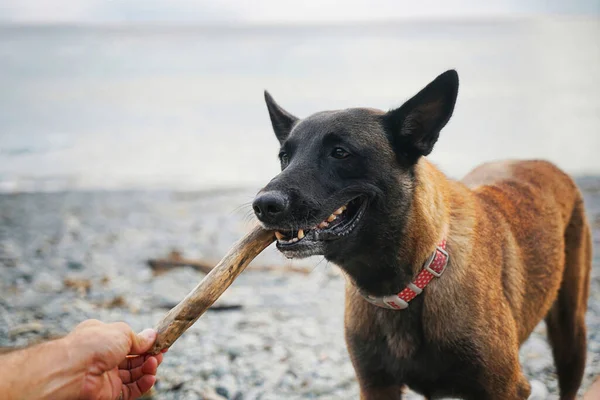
(105, 108)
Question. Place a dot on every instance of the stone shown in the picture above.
(46, 282)
(9, 253)
(210, 394)
(75, 265)
(221, 391)
(538, 391)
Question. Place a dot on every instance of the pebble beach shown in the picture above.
(277, 333)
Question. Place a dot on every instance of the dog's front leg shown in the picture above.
(376, 385)
(387, 393)
(375, 382)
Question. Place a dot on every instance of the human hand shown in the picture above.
(110, 360)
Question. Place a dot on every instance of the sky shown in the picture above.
(272, 11)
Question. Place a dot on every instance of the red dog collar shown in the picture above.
(433, 268)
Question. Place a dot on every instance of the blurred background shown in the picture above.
(133, 128)
(168, 94)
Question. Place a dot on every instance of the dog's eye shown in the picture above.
(284, 158)
(339, 153)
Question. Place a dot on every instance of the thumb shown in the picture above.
(142, 342)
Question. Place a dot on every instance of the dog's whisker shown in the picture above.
(242, 207)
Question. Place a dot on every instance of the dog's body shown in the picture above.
(516, 235)
(518, 242)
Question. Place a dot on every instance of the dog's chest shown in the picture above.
(431, 367)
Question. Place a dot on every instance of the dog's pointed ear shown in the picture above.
(415, 126)
(281, 120)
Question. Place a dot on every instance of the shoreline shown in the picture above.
(586, 181)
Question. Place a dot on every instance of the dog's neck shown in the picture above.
(428, 219)
(399, 258)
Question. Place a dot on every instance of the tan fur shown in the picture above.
(516, 233)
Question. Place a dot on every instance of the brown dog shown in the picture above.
(492, 254)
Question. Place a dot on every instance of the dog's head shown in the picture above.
(347, 176)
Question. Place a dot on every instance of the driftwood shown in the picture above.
(175, 260)
(182, 316)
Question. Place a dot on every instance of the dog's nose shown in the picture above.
(269, 206)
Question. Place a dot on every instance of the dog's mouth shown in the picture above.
(338, 224)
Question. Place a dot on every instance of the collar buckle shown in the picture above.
(428, 268)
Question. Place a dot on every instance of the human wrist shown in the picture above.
(40, 372)
(63, 378)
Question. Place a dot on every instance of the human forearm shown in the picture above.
(95, 361)
(40, 372)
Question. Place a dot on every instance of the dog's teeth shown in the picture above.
(294, 240)
(339, 211)
(331, 218)
(300, 233)
(278, 235)
(323, 224)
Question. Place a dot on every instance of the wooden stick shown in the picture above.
(184, 314)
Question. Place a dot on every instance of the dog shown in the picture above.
(445, 279)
